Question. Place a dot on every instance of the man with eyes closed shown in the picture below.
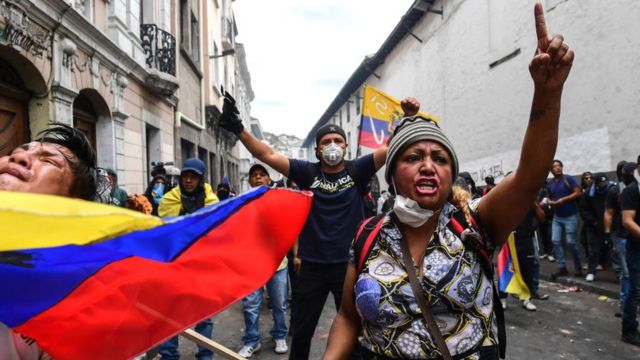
(60, 162)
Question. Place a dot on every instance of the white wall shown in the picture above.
(485, 111)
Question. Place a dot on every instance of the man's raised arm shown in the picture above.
(410, 107)
(230, 121)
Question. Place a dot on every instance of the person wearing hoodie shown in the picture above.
(614, 231)
(155, 191)
(191, 195)
(223, 191)
(592, 212)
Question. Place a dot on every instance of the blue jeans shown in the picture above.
(620, 254)
(567, 225)
(630, 309)
(278, 289)
(169, 348)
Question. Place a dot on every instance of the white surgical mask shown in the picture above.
(409, 212)
(332, 154)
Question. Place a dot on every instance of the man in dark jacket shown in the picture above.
(592, 205)
(614, 231)
(630, 204)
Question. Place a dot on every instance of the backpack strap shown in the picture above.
(566, 183)
(474, 239)
(365, 237)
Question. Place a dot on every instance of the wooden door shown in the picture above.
(85, 118)
(87, 126)
(13, 128)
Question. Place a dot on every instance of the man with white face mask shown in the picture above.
(338, 186)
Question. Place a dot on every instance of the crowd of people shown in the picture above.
(417, 279)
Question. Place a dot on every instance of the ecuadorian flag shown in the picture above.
(510, 278)
(92, 281)
(380, 114)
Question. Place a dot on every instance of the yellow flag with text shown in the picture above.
(380, 114)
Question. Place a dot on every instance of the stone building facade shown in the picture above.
(131, 74)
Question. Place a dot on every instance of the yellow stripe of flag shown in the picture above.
(30, 221)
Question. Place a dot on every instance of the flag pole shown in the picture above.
(359, 148)
(205, 342)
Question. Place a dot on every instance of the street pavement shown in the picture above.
(570, 325)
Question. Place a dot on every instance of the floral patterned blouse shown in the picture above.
(459, 293)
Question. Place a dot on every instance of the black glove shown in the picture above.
(229, 119)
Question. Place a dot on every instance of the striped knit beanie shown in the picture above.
(410, 130)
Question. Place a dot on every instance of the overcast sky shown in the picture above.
(301, 52)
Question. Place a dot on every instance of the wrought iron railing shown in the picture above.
(159, 47)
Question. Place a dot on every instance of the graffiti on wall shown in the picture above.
(576, 152)
(496, 170)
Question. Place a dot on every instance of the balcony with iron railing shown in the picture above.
(160, 56)
(159, 48)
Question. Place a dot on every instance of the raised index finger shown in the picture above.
(541, 25)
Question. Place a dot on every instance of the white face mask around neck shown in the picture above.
(409, 211)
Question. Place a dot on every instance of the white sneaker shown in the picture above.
(504, 303)
(281, 346)
(590, 277)
(551, 258)
(248, 351)
(527, 304)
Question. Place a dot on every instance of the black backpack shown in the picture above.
(368, 233)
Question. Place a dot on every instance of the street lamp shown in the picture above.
(224, 53)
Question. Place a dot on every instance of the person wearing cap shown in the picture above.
(630, 205)
(615, 232)
(380, 311)
(277, 287)
(592, 210)
(338, 187)
(190, 195)
(118, 195)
